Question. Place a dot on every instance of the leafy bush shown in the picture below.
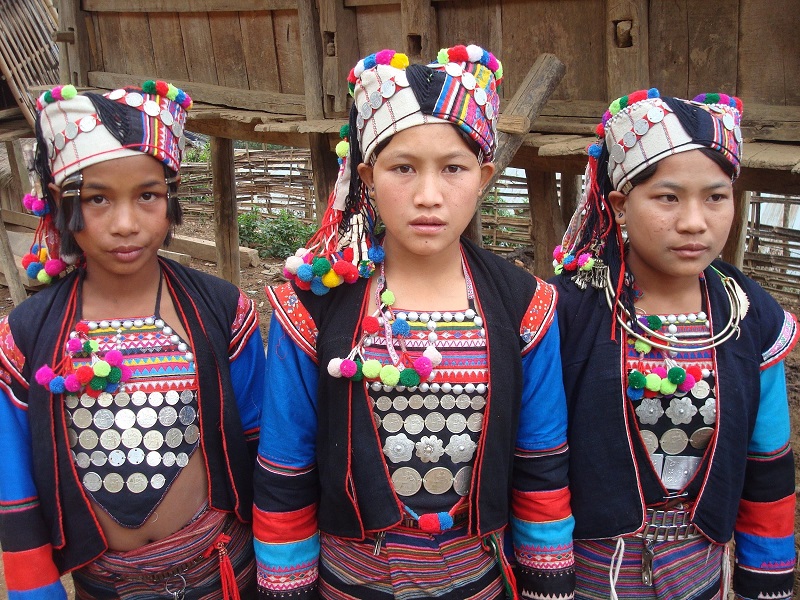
(279, 236)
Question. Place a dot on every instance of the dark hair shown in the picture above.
(718, 158)
(473, 145)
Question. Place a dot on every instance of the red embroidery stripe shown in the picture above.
(536, 507)
(279, 528)
(767, 519)
(20, 576)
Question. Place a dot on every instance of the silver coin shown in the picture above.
(463, 401)
(629, 139)
(365, 111)
(82, 460)
(153, 440)
(174, 437)
(59, 141)
(400, 403)
(131, 437)
(415, 402)
(122, 399)
(92, 481)
(82, 418)
(737, 133)
(192, 434)
(105, 400)
(431, 401)
(177, 129)
(701, 390)
(475, 422)
(147, 417)
(414, 424)
(172, 397)
(125, 418)
(182, 459)
(116, 458)
(168, 459)
(99, 458)
(116, 94)
(375, 100)
(71, 401)
(157, 481)
(479, 94)
(674, 441)
(155, 399)
(187, 396)
(454, 69)
(384, 403)
(71, 130)
(617, 152)
(88, 439)
(650, 440)
(153, 458)
(700, 438)
(655, 114)
(151, 108)
(87, 401)
(360, 121)
(392, 422)
(103, 419)
(138, 398)
(72, 437)
(468, 80)
(110, 439)
(388, 88)
(406, 481)
(167, 416)
(434, 422)
(137, 482)
(728, 122)
(438, 480)
(641, 126)
(448, 401)
(456, 423)
(462, 481)
(478, 402)
(166, 117)
(68, 418)
(489, 110)
(401, 79)
(51, 150)
(376, 417)
(134, 99)
(135, 456)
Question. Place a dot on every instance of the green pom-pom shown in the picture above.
(342, 148)
(320, 266)
(712, 99)
(667, 387)
(98, 383)
(390, 375)
(636, 380)
(676, 375)
(114, 375)
(558, 269)
(442, 58)
(642, 347)
(588, 265)
(409, 378)
(48, 97)
(149, 86)
(652, 382)
(371, 368)
(614, 108)
(623, 102)
(43, 277)
(387, 297)
(654, 322)
(68, 92)
(344, 131)
(359, 375)
(101, 368)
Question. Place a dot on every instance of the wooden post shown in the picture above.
(524, 107)
(627, 60)
(570, 192)
(733, 252)
(72, 26)
(20, 181)
(324, 166)
(546, 225)
(226, 224)
(339, 53)
(418, 20)
(9, 265)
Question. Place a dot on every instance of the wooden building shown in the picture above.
(274, 71)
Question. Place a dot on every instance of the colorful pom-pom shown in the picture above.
(687, 384)
(56, 385)
(44, 375)
(654, 322)
(635, 394)
(28, 259)
(43, 277)
(68, 92)
(293, 263)
(348, 368)
(441, 57)
(149, 87)
(125, 373)
(376, 254)
(101, 368)
(71, 383)
(594, 150)
(429, 523)
(335, 367)
(423, 366)
(384, 57)
(614, 107)
(458, 54)
(660, 371)
(98, 383)
(653, 93)
(676, 375)
(409, 378)
(369, 62)
(667, 387)
(387, 297)
(318, 288)
(54, 266)
(432, 354)
(303, 285)
(74, 345)
(371, 368)
(320, 266)
(370, 325)
(32, 270)
(114, 375)
(305, 272)
(400, 327)
(332, 279)
(113, 358)
(652, 382)
(642, 347)
(636, 379)
(342, 148)
(390, 375)
(84, 374)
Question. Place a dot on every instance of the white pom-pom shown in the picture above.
(293, 263)
(335, 367)
(432, 354)
(359, 68)
(301, 252)
(474, 53)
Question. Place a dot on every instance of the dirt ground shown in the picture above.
(254, 279)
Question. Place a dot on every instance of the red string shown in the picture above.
(230, 591)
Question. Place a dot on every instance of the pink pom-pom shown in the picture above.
(287, 274)
(71, 383)
(429, 523)
(27, 201)
(687, 384)
(423, 366)
(56, 92)
(660, 371)
(348, 368)
(54, 266)
(583, 259)
(125, 373)
(558, 253)
(37, 205)
(113, 358)
(44, 375)
(493, 63)
(74, 345)
(384, 57)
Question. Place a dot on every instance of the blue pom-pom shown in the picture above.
(569, 259)
(485, 58)
(445, 520)
(376, 254)
(35, 249)
(594, 150)
(305, 272)
(180, 97)
(400, 327)
(33, 269)
(56, 385)
(369, 62)
(635, 394)
(112, 387)
(319, 288)
(653, 93)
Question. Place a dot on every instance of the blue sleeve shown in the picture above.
(248, 377)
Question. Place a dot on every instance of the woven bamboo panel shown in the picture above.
(28, 54)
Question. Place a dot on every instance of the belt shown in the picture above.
(663, 526)
(460, 518)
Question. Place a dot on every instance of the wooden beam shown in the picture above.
(20, 181)
(73, 57)
(418, 22)
(207, 250)
(547, 228)
(272, 102)
(226, 224)
(183, 6)
(10, 269)
(627, 61)
(733, 252)
(339, 53)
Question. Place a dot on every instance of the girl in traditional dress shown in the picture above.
(673, 367)
(416, 406)
(130, 388)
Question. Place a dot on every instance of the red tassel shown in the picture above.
(230, 591)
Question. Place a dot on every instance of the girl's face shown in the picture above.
(124, 206)
(678, 220)
(427, 182)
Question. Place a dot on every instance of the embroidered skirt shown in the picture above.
(690, 569)
(175, 563)
(410, 564)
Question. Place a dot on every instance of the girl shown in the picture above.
(416, 392)
(130, 389)
(673, 367)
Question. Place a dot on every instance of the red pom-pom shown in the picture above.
(44, 375)
(370, 325)
(90, 391)
(348, 254)
(739, 105)
(429, 523)
(303, 285)
(650, 393)
(352, 274)
(84, 374)
(458, 54)
(341, 268)
(82, 327)
(600, 130)
(351, 76)
(162, 87)
(29, 259)
(695, 372)
(637, 96)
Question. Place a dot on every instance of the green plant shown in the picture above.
(250, 227)
(197, 153)
(278, 236)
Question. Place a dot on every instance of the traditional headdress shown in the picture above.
(75, 131)
(636, 132)
(389, 95)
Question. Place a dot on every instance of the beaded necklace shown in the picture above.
(403, 369)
